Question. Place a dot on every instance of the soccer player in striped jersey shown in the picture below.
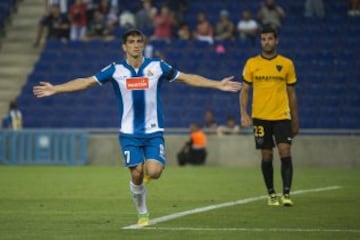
(274, 111)
(137, 84)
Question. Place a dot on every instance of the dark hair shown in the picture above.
(269, 29)
(12, 105)
(131, 32)
(230, 118)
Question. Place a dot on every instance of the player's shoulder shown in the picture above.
(253, 59)
(285, 59)
(152, 60)
(117, 63)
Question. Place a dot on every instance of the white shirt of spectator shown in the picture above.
(247, 25)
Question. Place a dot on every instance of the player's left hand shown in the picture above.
(227, 84)
(294, 127)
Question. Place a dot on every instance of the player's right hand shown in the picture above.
(44, 89)
(246, 121)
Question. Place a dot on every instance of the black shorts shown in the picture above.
(265, 131)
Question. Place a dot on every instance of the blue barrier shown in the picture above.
(43, 147)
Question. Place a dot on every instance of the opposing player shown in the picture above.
(137, 84)
(274, 111)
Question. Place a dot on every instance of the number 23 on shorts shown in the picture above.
(259, 131)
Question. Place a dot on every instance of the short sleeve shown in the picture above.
(291, 78)
(105, 75)
(247, 74)
(169, 72)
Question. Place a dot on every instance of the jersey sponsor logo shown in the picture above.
(269, 78)
(137, 83)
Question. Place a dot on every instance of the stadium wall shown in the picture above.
(308, 150)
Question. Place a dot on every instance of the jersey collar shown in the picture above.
(262, 56)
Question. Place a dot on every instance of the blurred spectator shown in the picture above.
(144, 18)
(314, 8)
(127, 19)
(163, 24)
(194, 150)
(13, 119)
(78, 20)
(63, 5)
(178, 7)
(271, 14)
(204, 30)
(109, 12)
(231, 127)
(98, 29)
(184, 32)
(224, 28)
(55, 24)
(151, 52)
(247, 27)
(354, 8)
(210, 121)
(149, 49)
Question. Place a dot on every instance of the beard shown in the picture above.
(268, 50)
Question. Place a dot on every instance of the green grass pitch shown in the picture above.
(94, 203)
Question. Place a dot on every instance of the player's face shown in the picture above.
(268, 43)
(134, 46)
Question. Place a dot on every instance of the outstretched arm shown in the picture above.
(226, 84)
(45, 89)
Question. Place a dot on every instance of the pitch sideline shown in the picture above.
(255, 229)
(221, 205)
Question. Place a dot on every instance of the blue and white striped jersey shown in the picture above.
(138, 94)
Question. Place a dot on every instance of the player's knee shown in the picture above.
(284, 150)
(267, 155)
(154, 173)
(284, 153)
(153, 169)
(137, 174)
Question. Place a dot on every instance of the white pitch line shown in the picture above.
(222, 205)
(255, 229)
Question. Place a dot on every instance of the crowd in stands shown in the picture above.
(77, 20)
(163, 19)
(160, 20)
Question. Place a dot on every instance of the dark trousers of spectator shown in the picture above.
(191, 156)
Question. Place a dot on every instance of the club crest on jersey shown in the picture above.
(149, 73)
(137, 83)
(279, 67)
